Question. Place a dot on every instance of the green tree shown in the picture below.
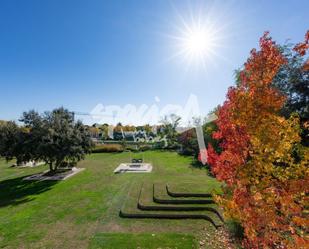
(9, 140)
(168, 129)
(14, 142)
(57, 138)
(2, 122)
(293, 81)
(188, 142)
(104, 131)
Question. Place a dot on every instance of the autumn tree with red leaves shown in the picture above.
(266, 188)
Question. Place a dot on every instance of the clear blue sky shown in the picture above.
(77, 54)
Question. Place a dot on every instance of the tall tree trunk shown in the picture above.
(18, 162)
(51, 166)
(57, 164)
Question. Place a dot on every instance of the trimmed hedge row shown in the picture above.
(167, 216)
(173, 194)
(178, 201)
(108, 148)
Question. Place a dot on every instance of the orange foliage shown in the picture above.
(302, 47)
(268, 189)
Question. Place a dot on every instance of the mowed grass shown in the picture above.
(143, 241)
(83, 211)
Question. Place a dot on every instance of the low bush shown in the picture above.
(158, 145)
(108, 148)
(235, 228)
(145, 147)
(136, 148)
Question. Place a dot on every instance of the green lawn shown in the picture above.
(82, 212)
(142, 241)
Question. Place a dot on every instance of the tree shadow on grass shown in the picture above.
(17, 191)
(198, 165)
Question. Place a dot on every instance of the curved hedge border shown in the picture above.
(167, 216)
(177, 208)
(174, 208)
(172, 194)
(177, 201)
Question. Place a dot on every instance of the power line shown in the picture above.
(91, 114)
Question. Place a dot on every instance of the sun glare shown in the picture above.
(197, 43)
(197, 39)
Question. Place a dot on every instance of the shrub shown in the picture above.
(188, 142)
(159, 145)
(108, 148)
(235, 228)
(145, 147)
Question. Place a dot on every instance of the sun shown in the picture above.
(198, 43)
(197, 39)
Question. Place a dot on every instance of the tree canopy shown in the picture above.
(53, 137)
(266, 188)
